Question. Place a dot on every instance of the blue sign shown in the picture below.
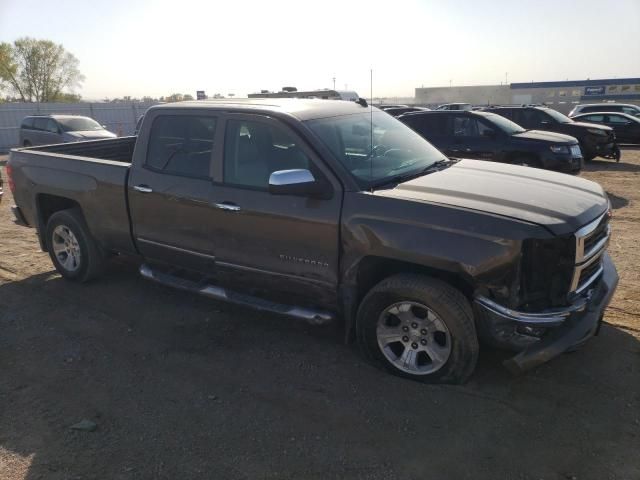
(594, 90)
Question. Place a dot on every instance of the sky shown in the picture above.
(156, 48)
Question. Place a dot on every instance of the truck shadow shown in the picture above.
(184, 387)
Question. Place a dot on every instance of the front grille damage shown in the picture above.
(554, 270)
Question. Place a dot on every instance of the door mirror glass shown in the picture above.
(294, 182)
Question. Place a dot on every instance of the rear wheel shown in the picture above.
(419, 328)
(72, 249)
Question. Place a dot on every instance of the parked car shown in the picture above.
(289, 207)
(595, 140)
(626, 127)
(50, 129)
(455, 106)
(397, 111)
(627, 108)
(487, 136)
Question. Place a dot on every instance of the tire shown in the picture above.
(586, 156)
(68, 237)
(419, 328)
(527, 162)
(617, 154)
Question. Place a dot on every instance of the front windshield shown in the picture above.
(78, 124)
(557, 116)
(395, 150)
(503, 123)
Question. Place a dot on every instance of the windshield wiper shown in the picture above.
(397, 179)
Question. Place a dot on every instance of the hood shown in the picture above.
(592, 125)
(90, 134)
(559, 202)
(543, 136)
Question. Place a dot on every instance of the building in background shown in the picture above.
(562, 95)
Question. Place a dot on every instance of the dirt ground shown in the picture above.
(181, 387)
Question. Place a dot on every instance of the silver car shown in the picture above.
(48, 129)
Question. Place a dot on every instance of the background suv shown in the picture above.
(49, 129)
(487, 136)
(595, 140)
(606, 107)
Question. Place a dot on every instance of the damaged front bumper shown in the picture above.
(559, 330)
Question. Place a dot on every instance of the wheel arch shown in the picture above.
(47, 205)
(371, 270)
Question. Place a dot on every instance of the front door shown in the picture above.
(284, 246)
(170, 189)
(471, 139)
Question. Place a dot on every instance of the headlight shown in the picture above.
(559, 149)
(597, 131)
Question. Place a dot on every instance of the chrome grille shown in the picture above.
(591, 242)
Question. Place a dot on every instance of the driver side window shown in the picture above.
(464, 126)
(253, 150)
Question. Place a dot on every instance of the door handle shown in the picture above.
(143, 189)
(231, 207)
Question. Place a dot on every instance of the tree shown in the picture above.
(38, 70)
(186, 96)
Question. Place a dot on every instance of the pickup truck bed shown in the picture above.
(89, 174)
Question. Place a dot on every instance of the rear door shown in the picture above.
(170, 189)
(283, 246)
(434, 127)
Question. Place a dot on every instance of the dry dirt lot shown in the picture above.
(182, 387)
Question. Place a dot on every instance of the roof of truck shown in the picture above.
(302, 109)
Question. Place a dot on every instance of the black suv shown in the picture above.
(487, 136)
(595, 140)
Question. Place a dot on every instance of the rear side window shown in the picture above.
(27, 123)
(181, 145)
(593, 118)
(630, 111)
(428, 125)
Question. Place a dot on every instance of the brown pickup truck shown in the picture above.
(324, 210)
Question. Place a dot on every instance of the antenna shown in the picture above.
(371, 122)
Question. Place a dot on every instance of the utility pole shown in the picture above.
(334, 82)
(506, 78)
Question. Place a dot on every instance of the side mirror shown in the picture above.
(104, 126)
(299, 182)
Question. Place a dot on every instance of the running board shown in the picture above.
(314, 317)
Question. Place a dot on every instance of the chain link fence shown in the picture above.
(120, 118)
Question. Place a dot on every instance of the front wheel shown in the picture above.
(617, 154)
(72, 249)
(420, 328)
